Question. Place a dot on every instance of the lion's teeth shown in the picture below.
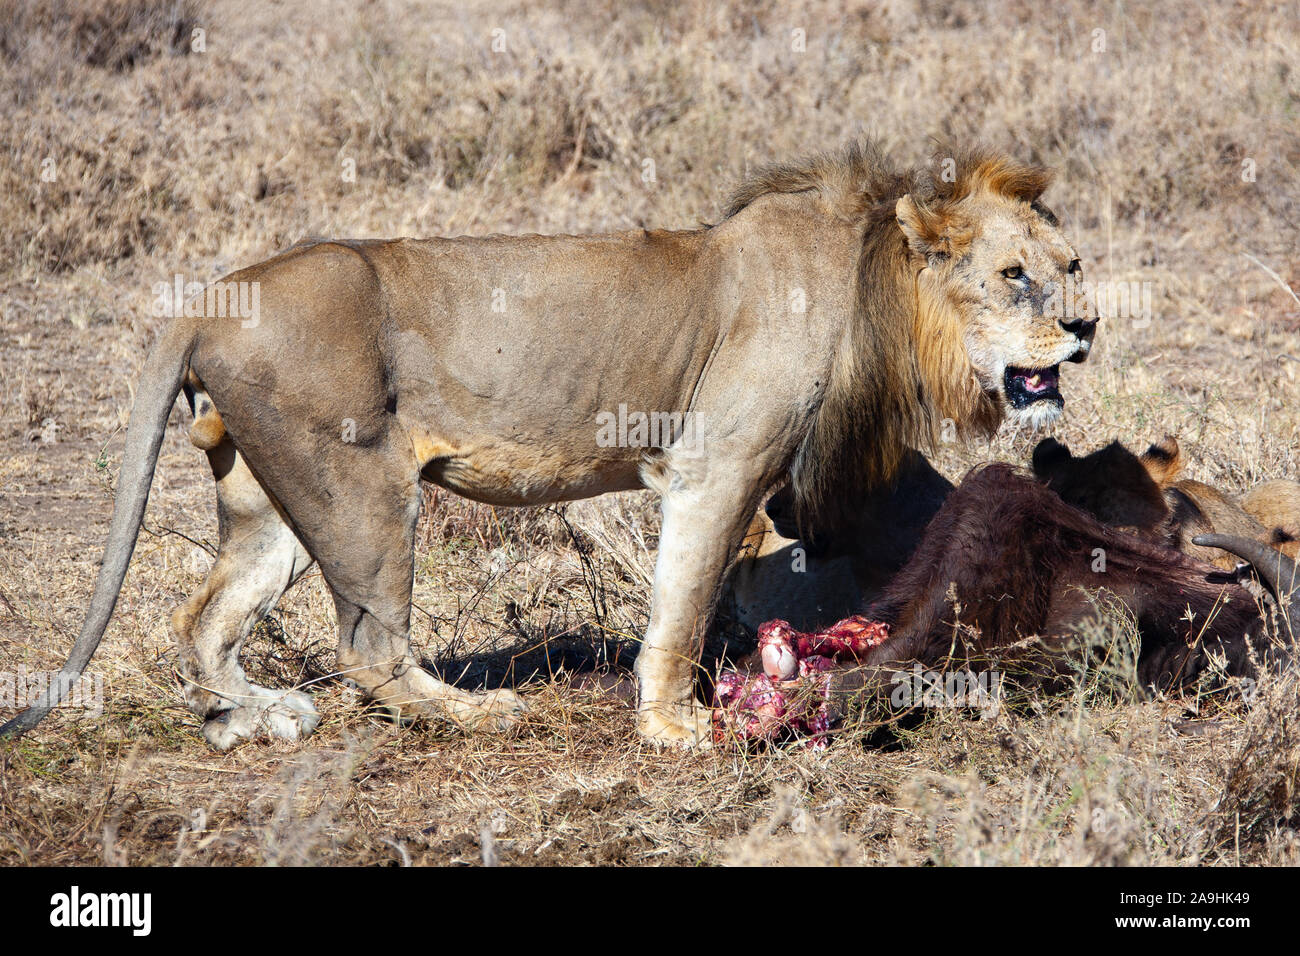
(1032, 381)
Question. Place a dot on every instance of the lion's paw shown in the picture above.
(677, 727)
(493, 710)
(286, 714)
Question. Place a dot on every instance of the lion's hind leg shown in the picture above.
(258, 559)
(368, 562)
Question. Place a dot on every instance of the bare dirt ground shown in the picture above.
(134, 149)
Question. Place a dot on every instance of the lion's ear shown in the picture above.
(930, 232)
(1163, 460)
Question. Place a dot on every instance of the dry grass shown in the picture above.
(162, 158)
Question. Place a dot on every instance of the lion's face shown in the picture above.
(1006, 269)
(1012, 282)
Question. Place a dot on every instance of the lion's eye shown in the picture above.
(1076, 267)
(1013, 272)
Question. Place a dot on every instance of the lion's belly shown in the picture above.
(522, 475)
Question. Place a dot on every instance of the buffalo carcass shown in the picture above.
(1009, 573)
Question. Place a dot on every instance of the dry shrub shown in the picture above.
(528, 118)
(450, 521)
(79, 189)
(1260, 781)
(1103, 656)
(113, 34)
(272, 658)
(580, 97)
(1076, 777)
(1084, 787)
(104, 204)
(793, 835)
(522, 594)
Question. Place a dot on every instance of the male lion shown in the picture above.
(837, 315)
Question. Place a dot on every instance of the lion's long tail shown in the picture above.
(161, 380)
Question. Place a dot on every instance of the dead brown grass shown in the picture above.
(160, 158)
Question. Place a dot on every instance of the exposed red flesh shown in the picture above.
(791, 697)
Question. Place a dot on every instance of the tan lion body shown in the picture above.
(487, 365)
(440, 386)
(1276, 505)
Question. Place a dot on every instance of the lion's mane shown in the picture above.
(901, 370)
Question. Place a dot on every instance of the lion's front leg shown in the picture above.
(701, 530)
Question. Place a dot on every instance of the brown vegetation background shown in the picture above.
(133, 148)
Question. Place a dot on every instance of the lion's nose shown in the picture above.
(1083, 328)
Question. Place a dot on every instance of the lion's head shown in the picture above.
(964, 313)
(994, 263)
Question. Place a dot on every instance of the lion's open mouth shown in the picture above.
(1024, 386)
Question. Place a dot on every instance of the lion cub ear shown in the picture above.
(931, 232)
(1163, 461)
